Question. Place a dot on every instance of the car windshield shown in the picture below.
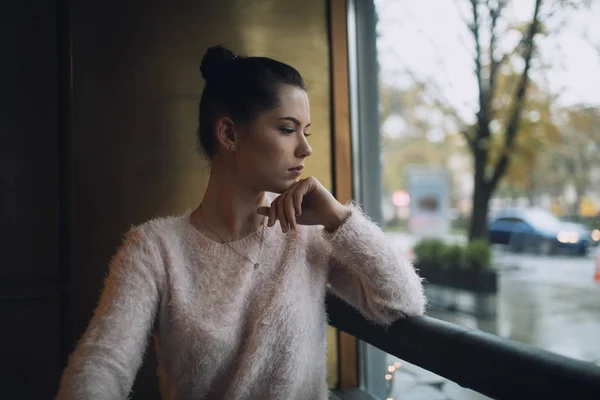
(542, 219)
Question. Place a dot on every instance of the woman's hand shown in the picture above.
(306, 202)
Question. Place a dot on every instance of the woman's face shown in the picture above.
(272, 148)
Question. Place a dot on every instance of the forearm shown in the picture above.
(106, 359)
(338, 218)
(371, 273)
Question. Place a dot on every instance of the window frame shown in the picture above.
(356, 154)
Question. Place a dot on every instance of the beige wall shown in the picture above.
(295, 32)
(136, 91)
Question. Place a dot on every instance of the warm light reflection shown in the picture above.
(397, 364)
(391, 368)
(388, 377)
(596, 235)
(568, 237)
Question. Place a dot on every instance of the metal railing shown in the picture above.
(493, 366)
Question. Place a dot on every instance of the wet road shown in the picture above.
(548, 302)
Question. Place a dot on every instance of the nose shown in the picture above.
(303, 150)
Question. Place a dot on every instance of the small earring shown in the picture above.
(232, 147)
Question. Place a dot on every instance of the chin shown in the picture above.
(279, 187)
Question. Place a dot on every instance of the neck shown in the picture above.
(228, 207)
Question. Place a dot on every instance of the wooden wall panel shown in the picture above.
(342, 158)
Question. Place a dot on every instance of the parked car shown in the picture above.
(538, 230)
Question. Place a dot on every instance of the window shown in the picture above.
(431, 98)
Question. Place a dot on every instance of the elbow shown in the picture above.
(403, 296)
(386, 312)
(410, 300)
(414, 302)
(91, 384)
(93, 373)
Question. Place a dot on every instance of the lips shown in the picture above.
(296, 169)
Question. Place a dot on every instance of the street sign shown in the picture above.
(429, 200)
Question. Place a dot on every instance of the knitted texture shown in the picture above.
(225, 330)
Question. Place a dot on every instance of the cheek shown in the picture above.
(269, 150)
(257, 157)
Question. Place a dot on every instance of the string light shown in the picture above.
(389, 376)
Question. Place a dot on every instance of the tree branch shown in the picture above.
(482, 114)
(439, 99)
(494, 63)
(590, 42)
(469, 139)
(514, 118)
(460, 14)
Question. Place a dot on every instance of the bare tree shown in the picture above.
(486, 180)
(502, 137)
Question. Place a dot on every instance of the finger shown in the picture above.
(272, 214)
(281, 214)
(290, 211)
(298, 196)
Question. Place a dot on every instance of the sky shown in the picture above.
(429, 38)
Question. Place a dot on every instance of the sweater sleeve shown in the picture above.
(109, 354)
(369, 273)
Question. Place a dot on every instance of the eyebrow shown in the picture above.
(294, 120)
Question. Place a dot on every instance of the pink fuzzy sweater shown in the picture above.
(225, 330)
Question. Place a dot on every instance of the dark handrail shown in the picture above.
(496, 367)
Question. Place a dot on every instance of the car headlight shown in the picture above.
(567, 237)
(596, 235)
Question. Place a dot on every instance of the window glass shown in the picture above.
(478, 116)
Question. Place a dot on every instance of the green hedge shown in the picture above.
(434, 253)
(428, 250)
(452, 256)
(478, 254)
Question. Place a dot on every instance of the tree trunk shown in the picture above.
(531, 188)
(531, 195)
(577, 204)
(514, 196)
(481, 199)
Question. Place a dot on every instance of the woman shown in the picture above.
(234, 291)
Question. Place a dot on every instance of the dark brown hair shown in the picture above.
(239, 87)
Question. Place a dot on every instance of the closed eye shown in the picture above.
(291, 131)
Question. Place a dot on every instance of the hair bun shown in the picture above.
(213, 59)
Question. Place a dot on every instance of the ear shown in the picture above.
(225, 133)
